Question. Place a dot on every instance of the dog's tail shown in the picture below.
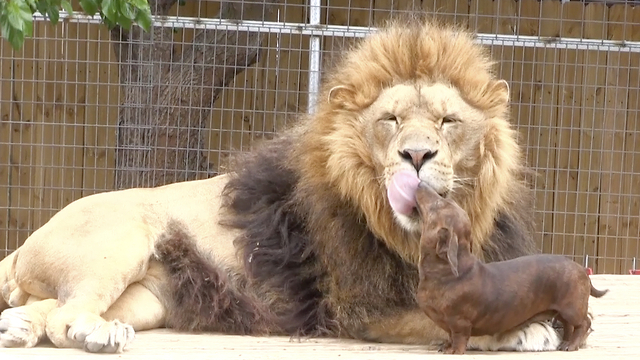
(598, 293)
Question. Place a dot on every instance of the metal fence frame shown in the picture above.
(314, 29)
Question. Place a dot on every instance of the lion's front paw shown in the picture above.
(17, 329)
(444, 346)
(107, 337)
(538, 336)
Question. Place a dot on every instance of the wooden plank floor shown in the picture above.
(616, 325)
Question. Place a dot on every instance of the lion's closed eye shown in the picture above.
(450, 120)
(390, 118)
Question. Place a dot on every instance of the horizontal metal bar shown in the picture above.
(361, 31)
(559, 43)
(237, 25)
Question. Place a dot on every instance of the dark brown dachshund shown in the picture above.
(466, 297)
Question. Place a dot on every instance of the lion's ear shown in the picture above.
(500, 90)
(340, 95)
(505, 87)
(447, 249)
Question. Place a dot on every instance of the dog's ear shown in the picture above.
(447, 248)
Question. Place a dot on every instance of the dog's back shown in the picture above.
(527, 287)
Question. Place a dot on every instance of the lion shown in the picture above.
(299, 238)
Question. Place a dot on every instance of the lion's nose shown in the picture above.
(418, 156)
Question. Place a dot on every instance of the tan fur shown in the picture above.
(95, 257)
(338, 151)
(91, 270)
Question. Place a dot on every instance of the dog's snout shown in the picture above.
(417, 157)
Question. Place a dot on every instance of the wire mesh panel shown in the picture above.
(84, 109)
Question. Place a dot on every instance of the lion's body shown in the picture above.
(300, 237)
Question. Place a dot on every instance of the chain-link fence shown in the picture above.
(84, 109)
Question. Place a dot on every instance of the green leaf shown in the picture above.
(139, 4)
(124, 22)
(42, 6)
(15, 37)
(54, 15)
(110, 24)
(5, 27)
(90, 7)
(14, 23)
(67, 7)
(143, 19)
(32, 4)
(14, 16)
(128, 11)
(110, 9)
(25, 11)
(28, 28)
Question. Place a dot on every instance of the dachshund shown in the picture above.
(467, 297)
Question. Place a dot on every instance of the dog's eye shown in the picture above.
(390, 118)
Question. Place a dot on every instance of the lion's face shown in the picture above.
(418, 97)
(426, 128)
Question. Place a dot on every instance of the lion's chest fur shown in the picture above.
(321, 265)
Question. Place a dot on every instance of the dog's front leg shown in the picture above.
(459, 339)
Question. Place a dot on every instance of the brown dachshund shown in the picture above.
(466, 297)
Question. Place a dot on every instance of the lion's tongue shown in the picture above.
(402, 191)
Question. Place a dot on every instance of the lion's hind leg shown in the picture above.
(77, 322)
(90, 284)
(68, 327)
(25, 326)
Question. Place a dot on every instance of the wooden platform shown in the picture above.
(616, 328)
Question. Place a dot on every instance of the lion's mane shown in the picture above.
(318, 235)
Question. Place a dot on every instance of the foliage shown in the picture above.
(16, 16)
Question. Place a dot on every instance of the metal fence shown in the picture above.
(73, 102)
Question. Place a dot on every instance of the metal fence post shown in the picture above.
(314, 56)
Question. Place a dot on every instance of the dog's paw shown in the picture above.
(106, 337)
(453, 351)
(538, 336)
(18, 330)
(567, 346)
